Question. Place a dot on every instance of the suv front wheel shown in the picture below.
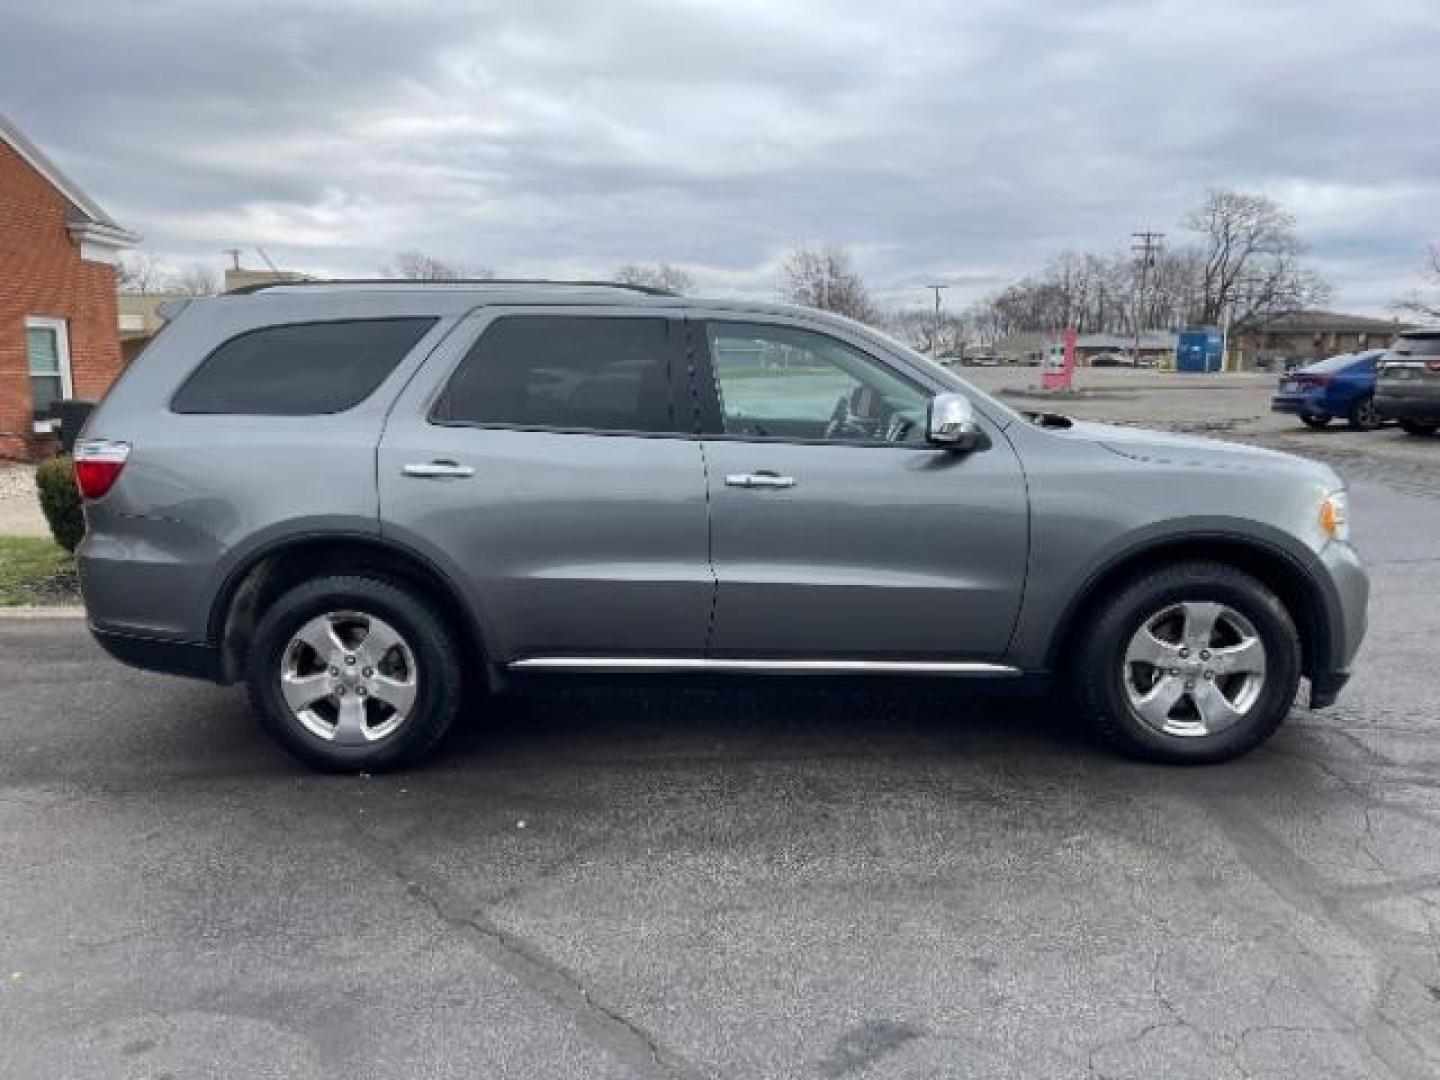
(353, 674)
(1190, 664)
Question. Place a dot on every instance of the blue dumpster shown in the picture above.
(1199, 350)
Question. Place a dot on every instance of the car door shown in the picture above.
(545, 461)
(837, 531)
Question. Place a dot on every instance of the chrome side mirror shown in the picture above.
(952, 425)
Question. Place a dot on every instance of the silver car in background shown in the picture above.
(361, 498)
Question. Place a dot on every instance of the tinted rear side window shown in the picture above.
(566, 371)
(300, 369)
(1426, 345)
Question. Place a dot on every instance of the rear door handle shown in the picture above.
(437, 470)
(761, 479)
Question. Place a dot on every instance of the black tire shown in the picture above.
(1415, 427)
(439, 681)
(1314, 420)
(1363, 416)
(1099, 671)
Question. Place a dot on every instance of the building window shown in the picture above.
(47, 347)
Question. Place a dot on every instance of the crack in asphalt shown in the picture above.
(1407, 1054)
(610, 1028)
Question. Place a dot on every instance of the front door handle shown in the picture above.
(436, 470)
(762, 479)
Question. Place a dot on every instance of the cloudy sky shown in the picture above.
(957, 140)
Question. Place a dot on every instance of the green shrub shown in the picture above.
(60, 500)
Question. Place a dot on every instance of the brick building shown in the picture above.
(1300, 337)
(58, 323)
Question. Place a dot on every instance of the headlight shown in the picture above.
(1335, 516)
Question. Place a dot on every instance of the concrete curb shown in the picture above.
(43, 611)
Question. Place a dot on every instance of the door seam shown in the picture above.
(692, 379)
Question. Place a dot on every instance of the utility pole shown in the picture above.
(935, 341)
(1147, 246)
(234, 254)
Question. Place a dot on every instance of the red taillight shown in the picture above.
(1433, 365)
(97, 465)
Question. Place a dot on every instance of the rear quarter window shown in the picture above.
(1426, 346)
(299, 369)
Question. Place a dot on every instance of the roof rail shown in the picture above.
(648, 290)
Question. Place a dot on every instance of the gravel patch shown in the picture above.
(19, 505)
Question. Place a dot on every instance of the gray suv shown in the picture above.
(360, 498)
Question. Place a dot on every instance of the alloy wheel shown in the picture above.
(1194, 668)
(349, 678)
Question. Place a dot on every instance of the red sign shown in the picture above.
(1058, 366)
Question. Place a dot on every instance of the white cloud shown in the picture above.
(953, 142)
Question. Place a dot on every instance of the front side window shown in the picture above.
(571, 372)
(47, 352)
(780, 382)
(299, 369)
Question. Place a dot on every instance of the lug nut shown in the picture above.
(359, 691)
(340, 691)
(1209, 674)
(368, 673)
(1184, 654)
(1174, 672)
(334, 672)
(350, 660)
(1204, 654)
(1189, 684)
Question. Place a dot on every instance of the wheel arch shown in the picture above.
(273, 568)
(1283, 572)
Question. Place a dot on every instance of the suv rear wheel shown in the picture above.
(353, 674)
(1190, 664)
(1314, 420)
(1415, 427)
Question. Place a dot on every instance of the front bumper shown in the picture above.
(1348, 618)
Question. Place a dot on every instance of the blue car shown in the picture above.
(1339, 386)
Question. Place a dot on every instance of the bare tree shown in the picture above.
(1416, 304)
(197, 279)
(1247, 266)
(418, 266)
(825, 278)
(660, 276)
(916, 327)
(1250, 260)
(139, 272)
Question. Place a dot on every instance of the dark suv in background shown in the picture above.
(358, 498)
(1408, 387)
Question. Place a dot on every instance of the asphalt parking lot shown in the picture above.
(770, 880)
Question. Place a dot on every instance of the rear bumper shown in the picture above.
(1301, 404)
(188, 659)
(1424, 408)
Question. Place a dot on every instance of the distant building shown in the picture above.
(237, 278)
(1303, 336)
(139, 312)
(58, 316)
(1028, 346)
(139, 319)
